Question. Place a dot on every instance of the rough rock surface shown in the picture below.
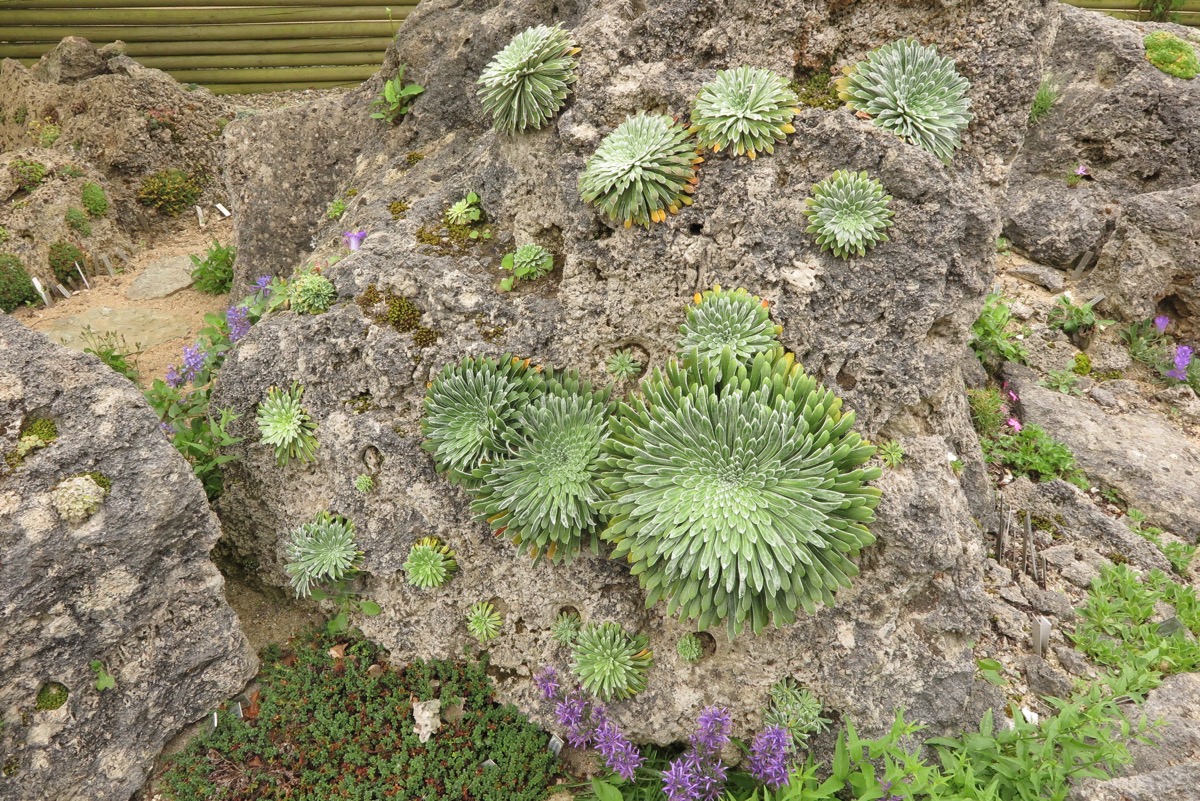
(1139, 455)
(162, 279)
(887, 330)
(131, 587)
(1135, 129)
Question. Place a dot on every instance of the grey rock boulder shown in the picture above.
(71, 60)
(130, 586)
(161, 279)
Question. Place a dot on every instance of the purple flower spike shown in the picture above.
(621, 756)
(263, 284)
(547, 682)
(167, 429)
(174, 379)
(770, 756)
(238, 319)
(193, 361)
(1161, 322)
(712, 730)
(354, 239)
(680, 782)
(1183, 359)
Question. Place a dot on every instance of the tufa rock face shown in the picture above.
(129, 584)
(888, 330)
(71, 60)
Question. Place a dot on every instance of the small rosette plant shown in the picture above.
(322, 552)
(622, 366)
(528, 81)
(909, 89)
(610, 663)
(527, 263)
(286, 426)
(642, 170)
(848, 212)
(483, 622)
(745, 111)
(565, 628)
(721, 321)
(430, 563)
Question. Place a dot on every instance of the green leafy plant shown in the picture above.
(364, 483)
(482, 622)
(622, 366)
(333, 716)
(1179, 554)
(1160, 10)
(796, 710)
(469, 408)
(1034, 453)
(528, 81)
(527, 263)
(848, 212)
(892, 453)
(63, 257)
(309, 292)
(990, 338)
(1147, 344)
(737, 491)
(77, 221)
(1071, 318)
(112, 349)
(16, 287)
(169, 191)
(610, 663)
(321, 551)
(104, 679)
(213, 274)
(545, 494)
(1047, 95)
(688, 647)
(910, 90)
(1063, 381)
(566, 628)
(95, 202)
(745, 110)
(336, 209)
(47, 132)
(77, 498)
(642, 170)
(466, 211)
(396, 98)
(430, 563)
(721, 321)
(286, 427)
(1172, 55)
(1003, 246)
(28, 174)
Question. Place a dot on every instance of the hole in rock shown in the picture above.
(371, 457)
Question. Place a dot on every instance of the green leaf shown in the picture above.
(605, 791)
(369, 608)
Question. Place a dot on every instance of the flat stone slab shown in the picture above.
(146, 327)
(1141, 455)
(161, 279)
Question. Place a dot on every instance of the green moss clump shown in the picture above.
(94, 199)
(41, 427)
(63, 257)
(370, 297)
(428, 236)
(29, 174)
(402, 314)
(1172, 55)
(397, 208)
(1082, 364)
(77, 221)
(424, 337)
(169, 191)
(4, 235)
(325, 725)
(817, 91)
(1109, 375)
(102, 481)
(16, 287)
(52, 695)
(413, 157)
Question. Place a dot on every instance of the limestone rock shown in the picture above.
(130, 585)
(71, 60)
(161, 279)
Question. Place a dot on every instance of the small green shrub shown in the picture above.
(465, 212)
(364, 483)
(309, 292)
(688, 648)
(16, 287)
(746, 111)
(47, 134)
(796, 710)
(1179, 554)
(1160, 10)
(77, 221)
(990, 338)
(322, 552)
(610, 663)
(1082, 364)
(63, 257)
(986, 410)
(94, 199)
(1032, 452)
(527, 263)
(848, 212)
(112, 349)
(1063, 381)
(104, 679)
(336, 209)
(721, 321)
(1071, 318)
(1172, 55)
(396, 98)
(28, 174)
(169, 191)
(892, 453)
(71, 171)
(213, 274)
(622, 366)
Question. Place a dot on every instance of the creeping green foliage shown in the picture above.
(1172, 55)
(1178, 553)
(721, 321)
(745, 110)
(1070, 317)
(642, 170)
(321, 552)
(528, 81)
(311, 293)
(169, 191)
(910, 90)
(41, 427)
(63, 257)
(610, 663)
(1032, 452)
(545, 495)
(214, 273)
(469, 408)
(796, 710)
(16, 287)
(688, 647)
(848, 212)
(465, 211)
(892, 453)
(482, 622)
(737, 490)
(396, 98)
(286, 427)
(527, 263)
(990, 338)
(364, 483)
(430, 563)
(1047, 95)
(104, 679)
(95, 202)
(51, 695)
(336, 209)
(77, 221)
(112, 349)
(566, 628)
(333, 718)
(622, 366)
(28, 174)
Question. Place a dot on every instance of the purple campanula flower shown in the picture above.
(1183, 359)
(167, 429)
(174, 379)
(354, 239)
(547, 682)
(263, 284)
(1161, 322)
(621, 756)
(193, 361)
(712, 729)
(680, 782)
(770, 756)
(238, 319)
(699, 775)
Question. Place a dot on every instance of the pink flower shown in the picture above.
(1014, 424)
